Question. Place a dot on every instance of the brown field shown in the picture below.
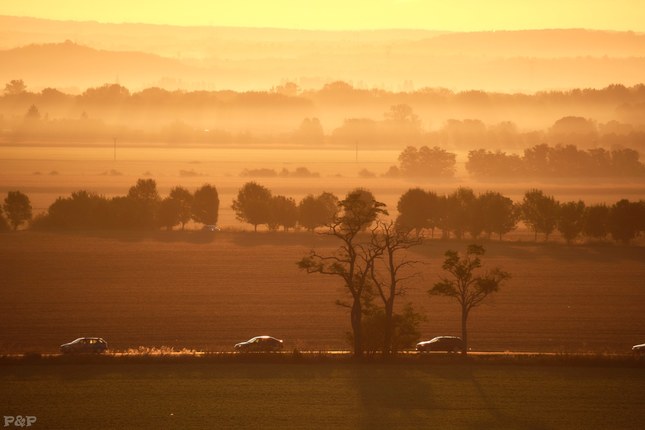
(206, 292)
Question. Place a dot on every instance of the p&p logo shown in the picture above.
(19, 420)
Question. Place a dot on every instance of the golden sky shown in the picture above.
(452, 15)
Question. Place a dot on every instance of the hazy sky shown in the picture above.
(456, 15)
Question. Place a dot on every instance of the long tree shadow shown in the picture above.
(496, 409)
(442, 396)
(391, 397)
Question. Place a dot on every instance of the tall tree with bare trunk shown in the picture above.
(391, 270)
(469, 289)
(352, 261)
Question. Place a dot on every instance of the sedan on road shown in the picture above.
(442, 343)
(84, 345)
(260, 344)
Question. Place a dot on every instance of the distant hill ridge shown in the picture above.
(20, 31)
(64, 54)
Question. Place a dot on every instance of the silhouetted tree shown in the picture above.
(596, 221)
(352, 261)
(497, 213)
(310, 132)
(460, 212)
(625, 162)
(400, 125)
(205, 204)
(405, 328)
(468, 288)
(318, 211)
(182, 204)
(402, 115)
(106, 94)
(427, 162)
(169, 212)
(145, 199)
(390, 272)
(33, 114)
(282, 212)
(487, 164)
(571, 220)
(360, 209)
(18, 208)
(253, 204)
(414, 209)
(125, 213)
(574, 130)
(536, 160)
(287, 89)
(83, 210)
(144, 190)
(626, 220)
(539, 212)
(15, 87)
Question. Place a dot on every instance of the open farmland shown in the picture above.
(323, 396)
(208, 291)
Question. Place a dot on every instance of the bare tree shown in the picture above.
(469, 290)
(353, 259)
(390, 244)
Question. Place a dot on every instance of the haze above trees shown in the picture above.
(337, 114)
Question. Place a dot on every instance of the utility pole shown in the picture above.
(115, 149)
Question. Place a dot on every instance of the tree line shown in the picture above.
(539, 161)
(155, 114)
(544, 161)
(459, 214)
(141, 209)
(462, 213)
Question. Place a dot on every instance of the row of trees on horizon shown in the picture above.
(540, 161)
(459, 214)
(287, 115)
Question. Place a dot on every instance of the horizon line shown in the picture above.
(324, 30)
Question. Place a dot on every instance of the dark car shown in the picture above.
(260, 344)
(210, 227)
(639, 349)
(84, 345)
(442, 343)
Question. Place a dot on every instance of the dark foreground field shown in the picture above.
(208, 291)
(323, 395)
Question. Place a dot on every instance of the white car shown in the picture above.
(260, 344)
(442, 343)
(639, 349)
(84, 345)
